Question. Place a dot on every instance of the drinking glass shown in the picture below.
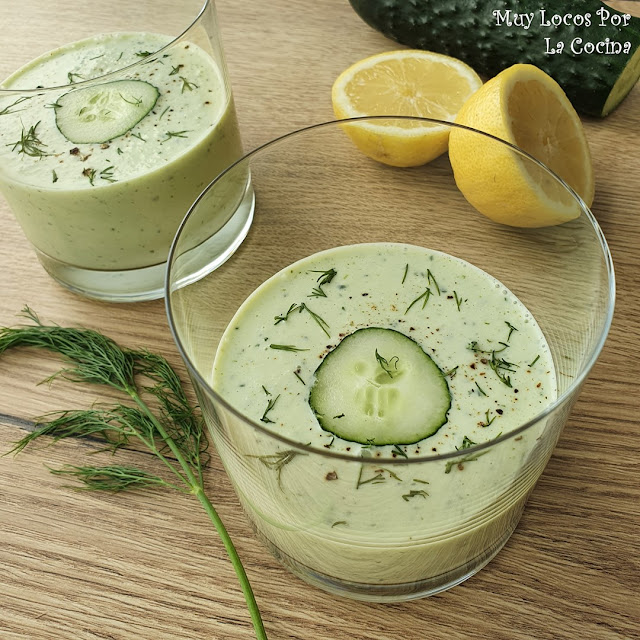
(101, 208)
(311, 506)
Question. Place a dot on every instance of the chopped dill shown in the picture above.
(71, 77)
(480, 389)
(271, 403)
(426, 295)
(136, 102)
(511, 329)
(89, 173)
(431, 279)
(390, 367)
(325, 278)
(107, 174)
(286, 347)
(29, 143)
(406, 270)
(488, 422)
(413, 493)
(186, 85)
(174, 134)
(278, 461)
(399, 451)
(20, 100)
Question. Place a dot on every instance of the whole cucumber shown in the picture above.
(478, 32)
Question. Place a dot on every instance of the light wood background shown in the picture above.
(149, 566)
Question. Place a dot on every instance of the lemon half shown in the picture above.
(524, 106)
(403, 83)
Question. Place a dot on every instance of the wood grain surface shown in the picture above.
(148, 566)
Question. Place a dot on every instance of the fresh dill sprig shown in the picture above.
(432, 280)
(186, 85)
(112, 478)
(452, 372)
(7, 110)
(406, 270)
(390, 367)
(325, 278)
(119, 151)
(53, 105)
(137, 135)
(29, 143)
(297, 375)
(161, 418)
(534, 361)
(271, 403)
(413, 493)
(266, 391)
(54, 176)
(71, 77)
(175, 134)
(165, 111)
(143, 54)
(286, 347)
(176, 69)
(278, 461)
(426, 295)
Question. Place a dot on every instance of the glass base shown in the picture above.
(401, 592)
(138, 285)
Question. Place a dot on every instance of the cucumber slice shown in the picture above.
(379, 387)
(103, 112)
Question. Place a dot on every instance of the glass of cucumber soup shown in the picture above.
(384, 371)
(109, 130)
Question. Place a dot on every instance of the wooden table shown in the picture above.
(149, 566)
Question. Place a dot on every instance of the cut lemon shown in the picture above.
(524, 106)
(403, 83)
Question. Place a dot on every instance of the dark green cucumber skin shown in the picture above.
(466, 29)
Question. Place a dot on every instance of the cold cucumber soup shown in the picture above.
(99, 177)
(382, 351)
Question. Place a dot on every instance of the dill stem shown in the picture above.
(198, 491)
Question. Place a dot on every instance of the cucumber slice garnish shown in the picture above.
(103, 112)
(379, 387)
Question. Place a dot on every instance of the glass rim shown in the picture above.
(90, 81)
(398, 459)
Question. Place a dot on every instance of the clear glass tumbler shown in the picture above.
(359, 525)
(110, 128)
